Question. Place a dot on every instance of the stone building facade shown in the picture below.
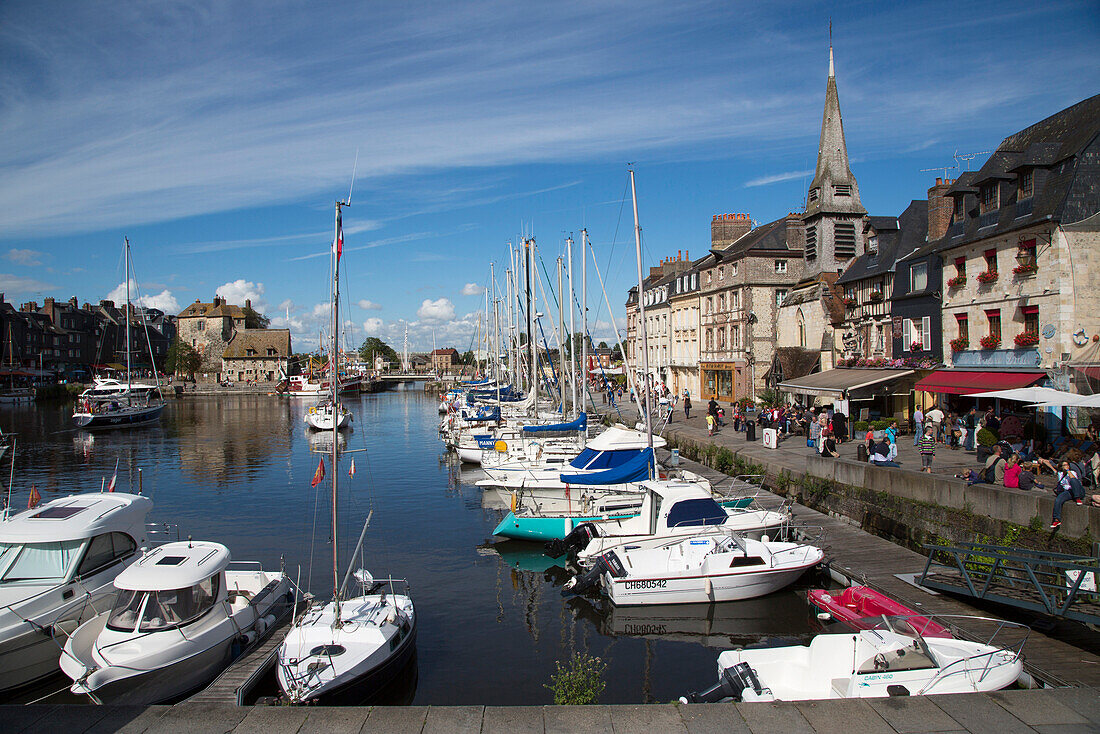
(209, 327)
(684, 339)
(262, 355)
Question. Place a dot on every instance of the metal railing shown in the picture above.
(1058, 584)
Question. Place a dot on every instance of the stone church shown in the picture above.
(810, 316)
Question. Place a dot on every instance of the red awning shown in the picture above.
(963, 382)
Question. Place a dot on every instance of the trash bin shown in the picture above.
(674, 460)
(861, 452)
(750, 430)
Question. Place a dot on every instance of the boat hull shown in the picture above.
(123, 419)
(701, 589)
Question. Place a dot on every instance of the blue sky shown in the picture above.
(217, 135)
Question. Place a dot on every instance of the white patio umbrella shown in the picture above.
(1069, 400)
(1025, 394)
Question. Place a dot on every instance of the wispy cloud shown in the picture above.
(27, 258)
(18, 284)
(777, 177)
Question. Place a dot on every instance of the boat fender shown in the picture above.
(708, 588)
(247, 638)
(732, 683)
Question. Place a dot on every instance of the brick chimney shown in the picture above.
(796, 231)
(940, 208)
(248, 303)
(725, 229)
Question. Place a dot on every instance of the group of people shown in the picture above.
(957, 430)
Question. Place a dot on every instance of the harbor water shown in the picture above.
(493, 624)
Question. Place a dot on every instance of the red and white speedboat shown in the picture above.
(305, 386)
(861, 607)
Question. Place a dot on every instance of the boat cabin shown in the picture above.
(171, 586)
(613, 448)
(71, 537)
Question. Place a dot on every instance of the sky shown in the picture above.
(217, 136)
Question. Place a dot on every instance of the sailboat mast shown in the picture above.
(126, 317)
(561, 340)
(496, 331)
(572, 328)
(532, 354)
(641, 312)
(584, 320)
(336, 245)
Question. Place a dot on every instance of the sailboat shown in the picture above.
(347, 643)
(127, 408)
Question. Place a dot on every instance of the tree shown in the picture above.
(372, 347)
(603, 345)
(183, 359)
(616, 353)
(467, 358)
(253, 319)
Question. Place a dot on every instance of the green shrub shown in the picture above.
(578, 682)
(724, 460)
(862, 426)
(880, 425)
(986, 437)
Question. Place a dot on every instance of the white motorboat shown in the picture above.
(894, 660)
(670, 509)
(711, 566)
(57, 565)
(346, 643)
(110, 387)
(325, 417)
(614, 447)
(179, 613)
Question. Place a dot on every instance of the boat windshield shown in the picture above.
(910, 657)
(39, 562)
(700, 511)
(163, 609)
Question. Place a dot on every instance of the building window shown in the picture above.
(918, 277)
(780, 266)
(962, 321)
(710, 340)
(801, 330)
(842, 190)
(814, 194)
(989, 199)
(735, 337)
(694, 281)
(915, 331)
(1026, 185)
(721, 273)
(707, 278)
(721, 339)
(733, 270)
(960, 209)
(811, 243)
(735, 301)
(880, 338)
(844, 235)
(201, 326)
(960, 266)
(780, 294)
(710, 304)
(1031, 319)
(990, 261)
(722, 303)
(994, 318)
(872, 244)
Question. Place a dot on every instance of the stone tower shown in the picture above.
(834, 213)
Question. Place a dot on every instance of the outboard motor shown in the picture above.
(731, 684)
(576, 540)
(606, 563)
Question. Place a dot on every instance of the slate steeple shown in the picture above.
(834, 211)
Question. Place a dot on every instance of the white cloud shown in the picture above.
(472, 289)
(238, 291)
(19, 284)
(28, 258)
(370, 305)
(438, 311)
(777, 177)
(372, 326)
(163, 301)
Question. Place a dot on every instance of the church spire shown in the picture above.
(832, 158)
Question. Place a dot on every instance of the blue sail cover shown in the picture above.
(635, 470)
(492, 414)
(581, 424)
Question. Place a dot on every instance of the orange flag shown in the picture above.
(319, 474)
(351, 471)
(35, 497)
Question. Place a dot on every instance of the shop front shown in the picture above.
(725, 381)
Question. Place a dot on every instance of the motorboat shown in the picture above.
(349, 642)
(716, 565)
(58, 562)
(111, 387)
(892, 660)
(858, 607)
(356, 643)
(179, 614)
(546, 444)
(670, 509)
(612, 448)
(325, 416)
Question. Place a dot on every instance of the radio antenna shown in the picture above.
(969, 156)
(945, 169)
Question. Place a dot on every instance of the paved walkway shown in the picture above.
(1053, 711)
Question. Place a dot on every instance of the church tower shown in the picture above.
(834, 213)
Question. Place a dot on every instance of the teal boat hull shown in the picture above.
(545, 528)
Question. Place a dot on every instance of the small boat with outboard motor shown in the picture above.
(893, 659)
(858, 607)
(180, 614)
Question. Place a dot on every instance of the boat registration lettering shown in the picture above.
(648, 584)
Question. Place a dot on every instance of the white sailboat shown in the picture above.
(129, 407)
(348, 642)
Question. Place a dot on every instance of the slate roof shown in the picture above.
(1069, 190)
(897, 237)
(259, 340)
(770, 237)
(209, 310)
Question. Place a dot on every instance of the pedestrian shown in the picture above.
(926, 447)
(710, 424)
(892, 432)
(687, 406)
(828, 445)
(935, 417)
(815, 435)
(971, 428)
(918, 425)
(1068, 487)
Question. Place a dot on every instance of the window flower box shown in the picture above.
(957, 282)
(1026, 339)
(875, 296)
(850, 302)
(989, 276)
(916, 347)
(1026, 268)
(990, 342)
(960, 344)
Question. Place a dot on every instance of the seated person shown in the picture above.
(992, 473)
(884, 454)
(1067, 488)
